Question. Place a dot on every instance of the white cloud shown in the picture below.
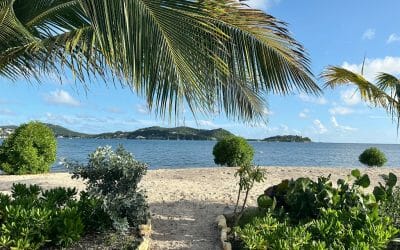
(372, 67)
(262, 4)
(311, 99)
(334, 122)
(339, 110)
(6, 112)
(114, 110)
(266, 111)
(369, 34)
(304, 114)
(142, 109)
(338, 126)
(393, 38)
(61, 97)
(350, 96)
(206, 123)
(319, 127)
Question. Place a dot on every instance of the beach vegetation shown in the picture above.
(32, 218)
(111, 208)
(308, 214)
(113, 177)
(31, 149)
(233, 151)
(240, 54)
(372, 157)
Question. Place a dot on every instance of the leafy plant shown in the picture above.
(372, 157)
(385, 192)
(323, 216)
(233, 152)
(391, 207)
(237, 152)
(113, 178)
(32, 218)
(31, 149)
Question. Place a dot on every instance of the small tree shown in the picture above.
(114, 177)
(233, 152)
(31, 149)
(237, 152)
(372, 157)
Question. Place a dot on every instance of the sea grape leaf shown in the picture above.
(363, 181)
(356, 173)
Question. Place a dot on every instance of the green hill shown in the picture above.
(178, 133)
(151, 133)
(287, 138)
(60, 131)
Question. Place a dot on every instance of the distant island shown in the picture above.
(156, 133)
(151, 133)
(287, 138)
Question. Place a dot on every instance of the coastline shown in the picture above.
(185, 202)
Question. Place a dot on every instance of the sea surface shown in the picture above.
(160, 154)
(191, 154)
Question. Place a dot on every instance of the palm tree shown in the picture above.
(213, 55)
(384, 93)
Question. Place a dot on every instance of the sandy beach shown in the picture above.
(184, 203)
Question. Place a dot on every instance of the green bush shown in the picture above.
(233, 152)
(372, 157)
(308, 214)
(113, 178)
(391, 207)
(32, 218)
(31, 149)
(335, 229)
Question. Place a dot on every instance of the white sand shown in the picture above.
(184, 203)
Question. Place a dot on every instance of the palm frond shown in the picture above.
(208, 54)
(337, 76)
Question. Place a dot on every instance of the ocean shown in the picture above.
(191, 154)
(160, 154)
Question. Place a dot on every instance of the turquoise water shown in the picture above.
(191, 154)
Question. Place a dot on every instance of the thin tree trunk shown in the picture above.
(245, 200)
(237, 201)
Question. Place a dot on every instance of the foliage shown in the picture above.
(335, 229)
(31, 149)
(372, 157)
(233, 151)
(238, 56)
(307, 214)
(32, 218)
(248, 175)
(113, 178)
(391, 207)
(384, 93)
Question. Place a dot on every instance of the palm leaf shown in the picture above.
(211, 55)
(337, 76)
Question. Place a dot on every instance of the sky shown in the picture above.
(336, 32)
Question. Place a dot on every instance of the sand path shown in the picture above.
(184, 203)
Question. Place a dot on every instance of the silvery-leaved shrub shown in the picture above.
(113, 178)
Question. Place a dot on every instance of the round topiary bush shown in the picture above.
(31, 149)
(372, 157)
(233, 152)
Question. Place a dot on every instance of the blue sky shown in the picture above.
(333, 32)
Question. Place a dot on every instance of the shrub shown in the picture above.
(113, 178)
(372, 157)
(391, 207)
(32, 218)
(323, 216)
(233, 152)
(31, 149)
